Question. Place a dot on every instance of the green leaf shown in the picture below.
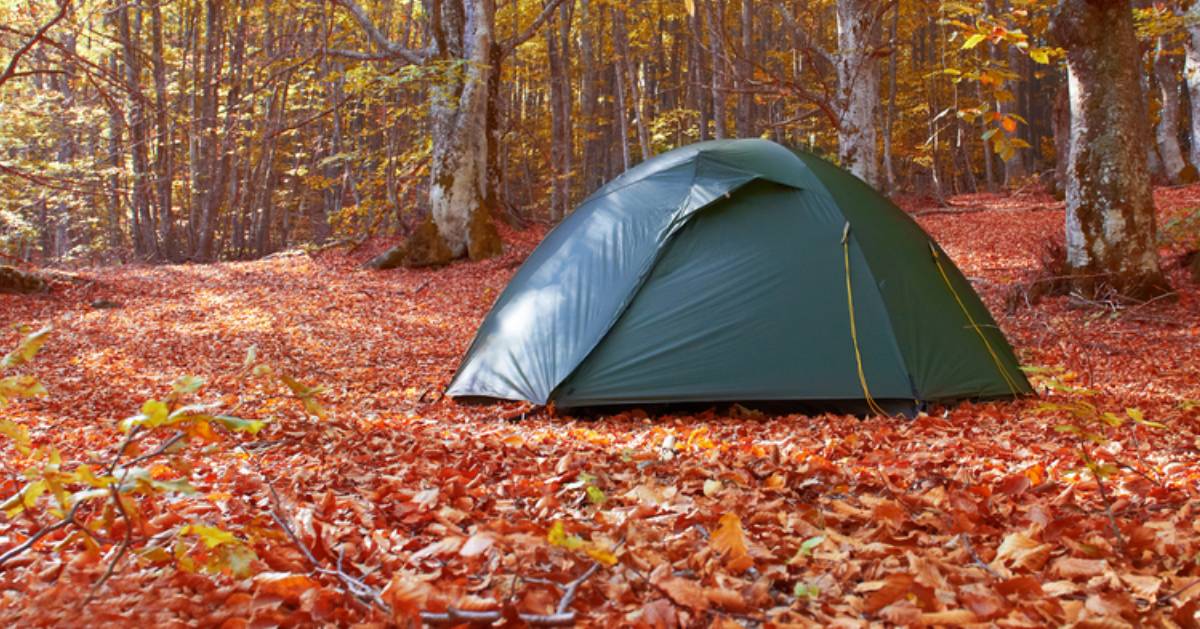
(806, 591)
(810, 544)
(19, 435)
(595, 495)
(19, 387)
(25, 498)
(237, 424)
(1136, 415)
(26, 349)
(973, 41)
(557, 536)
(306, 394)
(187, 384)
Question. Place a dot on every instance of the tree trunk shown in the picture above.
(1167, 131)
(164, 164)
(458, 112)
(745, 112)
(1191, 73)
(1110, 222)
(145, 238)
(713, 11)
(858, 87)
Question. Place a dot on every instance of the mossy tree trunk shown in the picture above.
(1110, 223)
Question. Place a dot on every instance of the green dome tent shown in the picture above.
(737, 270)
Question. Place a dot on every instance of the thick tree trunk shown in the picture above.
(1110, 222)
(458, 112)
(1167, 131)
(858, 87)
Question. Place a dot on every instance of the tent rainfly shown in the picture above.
(738, 270)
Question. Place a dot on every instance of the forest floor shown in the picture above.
(975, 514)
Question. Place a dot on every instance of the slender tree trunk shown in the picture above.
(145, 240)
(1110, 221)
(745, 112)
(164, 161)
(1175, 165)
(889, 119)
(713, 10)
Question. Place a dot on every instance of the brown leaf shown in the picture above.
(983, 602)
(731, 600)
(1019, 551)
(951, 617)
(657, 614)
(1074, 567)
(684, 592)
(892, 588)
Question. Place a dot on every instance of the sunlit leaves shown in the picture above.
(306, 394)
(26, 349)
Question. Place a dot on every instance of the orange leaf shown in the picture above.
(730, 540)
(285, 585)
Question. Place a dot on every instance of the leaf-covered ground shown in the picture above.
(976, 514)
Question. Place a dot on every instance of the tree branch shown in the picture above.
(511, 43)
(805, 37)
(391, 50)
(11, 70)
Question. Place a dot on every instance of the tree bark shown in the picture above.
(1110, 221)
(858, 86)
(1191, 73)
(458, 113)
(1167, 131)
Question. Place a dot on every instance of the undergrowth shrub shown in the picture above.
(128, 505)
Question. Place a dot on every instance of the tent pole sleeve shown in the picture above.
(862, 375)
(1008, 379)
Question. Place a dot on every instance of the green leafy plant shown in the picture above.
(1091, 426)
(103, 506)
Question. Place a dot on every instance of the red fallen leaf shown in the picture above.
(477, 544)
(684, 592)
(983, 603)
(407, 596)
(1020, 586)
(1014, 485)
(320, 603)
(537, 601)
(886, 592)
(889, 510)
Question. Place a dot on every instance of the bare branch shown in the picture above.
(806, 38)
(11, 70)
(511, 43)
(391, 50)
